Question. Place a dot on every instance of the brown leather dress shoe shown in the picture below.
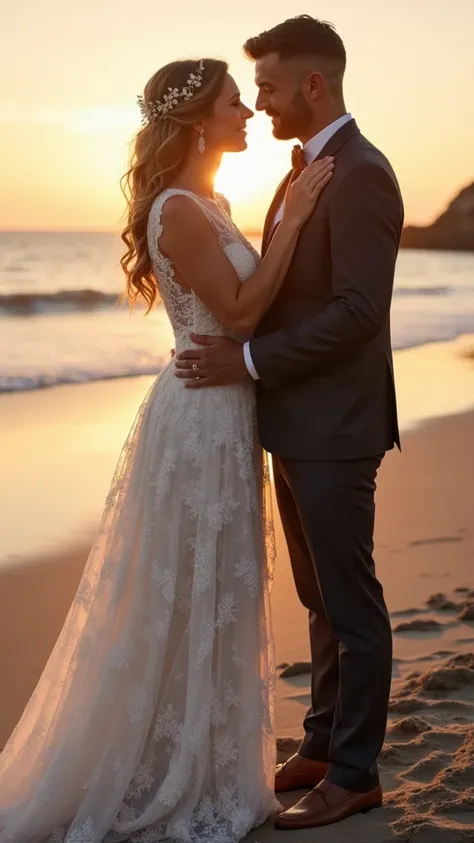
(327, 804)
(299, 773)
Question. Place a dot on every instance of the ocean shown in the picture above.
(60, 321)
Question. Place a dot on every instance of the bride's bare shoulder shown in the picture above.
(184, 223)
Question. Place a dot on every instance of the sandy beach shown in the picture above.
(56, 473)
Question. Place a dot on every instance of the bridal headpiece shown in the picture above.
(158, 109)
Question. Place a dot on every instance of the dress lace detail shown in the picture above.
(153, 718)
(185, 310)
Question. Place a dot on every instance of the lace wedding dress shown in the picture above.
(153, 716)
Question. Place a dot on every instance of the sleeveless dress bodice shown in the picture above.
(185, 310)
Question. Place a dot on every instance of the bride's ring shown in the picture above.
(195, 367)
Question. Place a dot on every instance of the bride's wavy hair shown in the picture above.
(159, 152)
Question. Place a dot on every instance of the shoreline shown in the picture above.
(460, 340)
(56, 472)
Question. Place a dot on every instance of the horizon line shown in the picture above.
(250, 231)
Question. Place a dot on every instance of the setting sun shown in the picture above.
(83, 115)
(230, 179)
(249, 179)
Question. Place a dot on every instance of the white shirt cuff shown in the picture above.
(249, 362)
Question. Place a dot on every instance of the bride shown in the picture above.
(153, 718)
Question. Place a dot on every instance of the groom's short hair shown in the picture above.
(297, 37)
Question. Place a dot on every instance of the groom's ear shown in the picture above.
(315, 85)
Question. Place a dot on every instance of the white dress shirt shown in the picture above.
(311, 151)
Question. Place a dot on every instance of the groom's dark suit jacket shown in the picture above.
(322, 350)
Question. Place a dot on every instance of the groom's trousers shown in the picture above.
(327, 511)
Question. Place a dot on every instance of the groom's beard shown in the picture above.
(294, 121)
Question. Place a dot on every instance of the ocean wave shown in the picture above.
(402, 339)
(63, 301)
(78, 376)
(27, 304)
(400, 292)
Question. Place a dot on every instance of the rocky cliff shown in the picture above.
(453, 230)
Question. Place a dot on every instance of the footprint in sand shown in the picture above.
(454, 674)
(286, 746)
(440, 603)
(436, 540)
(295, 669)
(427, 762)
(433, 773)
(408, 726)
(441, 710)
(427, 768)
(419, 625)
(304, 699)
(403, 613)
(414, 752)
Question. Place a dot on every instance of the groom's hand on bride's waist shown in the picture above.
(218, 361)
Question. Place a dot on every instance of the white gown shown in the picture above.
(153, 718)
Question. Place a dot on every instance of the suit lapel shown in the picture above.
(339, 139)
(334, 144)
(276, 202)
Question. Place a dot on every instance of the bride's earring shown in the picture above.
(201, 142)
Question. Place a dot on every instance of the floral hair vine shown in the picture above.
(158, 109)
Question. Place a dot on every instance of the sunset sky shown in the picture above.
(70, 74)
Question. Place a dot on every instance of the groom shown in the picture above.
(326, 406)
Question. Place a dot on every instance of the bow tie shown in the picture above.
(298, 161)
